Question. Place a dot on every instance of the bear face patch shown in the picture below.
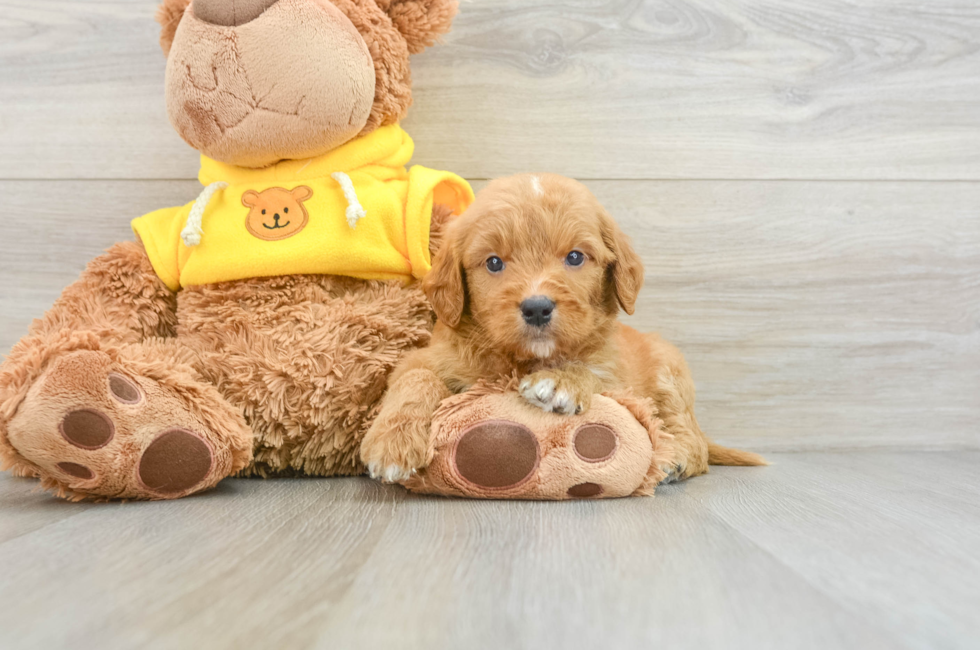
(276, 213)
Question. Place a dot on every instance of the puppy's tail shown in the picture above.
(718, 455)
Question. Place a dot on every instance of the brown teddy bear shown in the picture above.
(252, 330)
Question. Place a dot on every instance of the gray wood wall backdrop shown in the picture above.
(801, 177)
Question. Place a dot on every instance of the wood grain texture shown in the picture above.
(821, 550)
(592, 89)
(814, 315)
(62, 226)
(25, 508)
(818, 526)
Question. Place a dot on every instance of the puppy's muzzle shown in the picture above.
(537, 310)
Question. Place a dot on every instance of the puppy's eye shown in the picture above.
(286, 210)
(575, 258)
(495, 264)
(263, 212)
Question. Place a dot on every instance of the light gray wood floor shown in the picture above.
(821, 550)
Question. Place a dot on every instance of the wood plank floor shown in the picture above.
(821, 550)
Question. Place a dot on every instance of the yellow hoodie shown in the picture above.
(355, 211)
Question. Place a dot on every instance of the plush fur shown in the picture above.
(270, 375)
(532, 223)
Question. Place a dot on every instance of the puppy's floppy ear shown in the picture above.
(444, 283)
(169, 14)
(421, 22)
(627, 267)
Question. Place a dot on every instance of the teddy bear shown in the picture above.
(250, 331)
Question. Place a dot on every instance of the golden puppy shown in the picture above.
(530, 280)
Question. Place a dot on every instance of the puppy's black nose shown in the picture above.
(537, 310)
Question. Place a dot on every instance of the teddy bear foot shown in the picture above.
(490, 443)
(93, 426)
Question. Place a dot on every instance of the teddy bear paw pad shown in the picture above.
(175, 462)
(497, 454)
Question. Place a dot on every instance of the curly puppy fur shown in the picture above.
(532, 224)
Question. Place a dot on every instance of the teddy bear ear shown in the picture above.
(169, 14)
(421, 22)
(301, 193)
(250, 199)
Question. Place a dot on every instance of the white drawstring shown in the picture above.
(355, 211)
(191, 234)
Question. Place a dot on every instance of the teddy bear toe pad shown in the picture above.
(87, 428)
(595, 442)
(585, 490)
(99, 431)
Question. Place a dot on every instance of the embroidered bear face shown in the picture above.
(276, 213)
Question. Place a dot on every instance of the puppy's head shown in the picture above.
(536, 265)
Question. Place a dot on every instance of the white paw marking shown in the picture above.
(674, 473)
(390, 473)
(544, 395)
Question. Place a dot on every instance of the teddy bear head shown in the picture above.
(253, 82)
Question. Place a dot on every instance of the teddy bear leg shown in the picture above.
(94, 410)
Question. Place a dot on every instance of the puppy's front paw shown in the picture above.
(674, 473)
(554, 392)
(389, 473)
(393, 454)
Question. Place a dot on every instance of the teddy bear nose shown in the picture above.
(230, 13)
